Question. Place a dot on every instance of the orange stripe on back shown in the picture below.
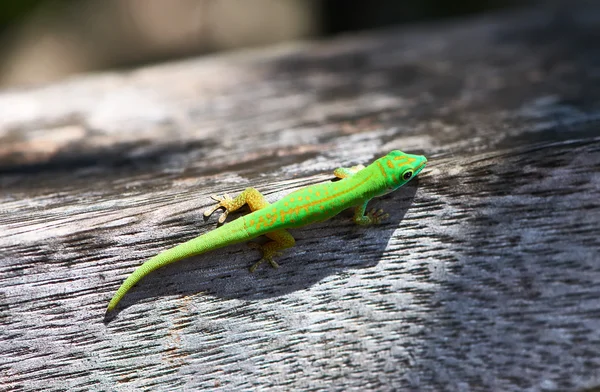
(316, 202)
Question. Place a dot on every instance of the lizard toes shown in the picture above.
(209, 211)
(223, 216)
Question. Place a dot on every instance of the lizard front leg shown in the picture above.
(250, 196)
(372, 217)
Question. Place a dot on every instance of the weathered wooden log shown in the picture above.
(485, 277)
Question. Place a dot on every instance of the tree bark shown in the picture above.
(485, 277)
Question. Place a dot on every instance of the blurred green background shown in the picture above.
(47, 40)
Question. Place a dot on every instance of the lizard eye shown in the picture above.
(407, 175)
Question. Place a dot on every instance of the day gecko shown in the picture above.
(308, 205)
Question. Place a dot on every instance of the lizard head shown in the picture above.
(399, 168)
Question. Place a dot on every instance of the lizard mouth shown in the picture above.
(418, 168)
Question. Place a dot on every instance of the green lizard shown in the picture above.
(358, 185)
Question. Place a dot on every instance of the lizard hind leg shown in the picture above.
(281, 239)
(250, 196)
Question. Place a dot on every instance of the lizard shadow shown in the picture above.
(322, 249)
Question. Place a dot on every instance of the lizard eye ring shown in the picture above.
(407, 175)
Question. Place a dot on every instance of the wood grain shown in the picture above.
(484, 278)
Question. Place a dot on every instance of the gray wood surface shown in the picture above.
(485, 277)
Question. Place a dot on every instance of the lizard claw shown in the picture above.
(223, 201)
(377, 216)
(221, 198)
(267, 256)
(259, 262)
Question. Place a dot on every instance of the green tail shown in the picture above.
(230, 233)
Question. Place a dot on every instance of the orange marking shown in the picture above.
(390, 164)
(272, 222)
(392, 175)
(381, 168)
(404, 160)
(296, 210)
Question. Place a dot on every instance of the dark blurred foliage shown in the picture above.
(342, 15)
(337, 15)
(46, 40)
(12, 11)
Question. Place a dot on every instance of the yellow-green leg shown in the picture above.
(250, 196)
(372, 217)
(343, 172)
(281, 239)
(360, 218)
